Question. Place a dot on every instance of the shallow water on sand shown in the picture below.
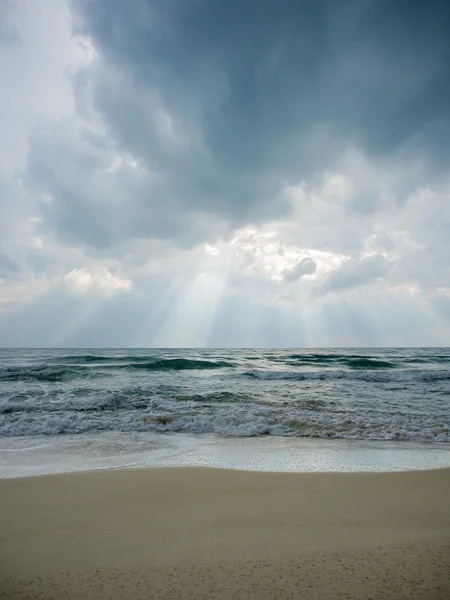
(28, 456)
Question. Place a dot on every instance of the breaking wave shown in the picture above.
(237, 422)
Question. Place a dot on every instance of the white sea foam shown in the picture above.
(239, 421)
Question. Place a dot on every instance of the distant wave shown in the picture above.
(178, 364)
(81, 359)
(138, 361)
(56, 372)
(365, 375)
(45, 373)
(439, 358)
(352, 361)
(357, 361)
(368, 363)
(126, 399)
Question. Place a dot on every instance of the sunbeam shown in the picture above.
(188, 322)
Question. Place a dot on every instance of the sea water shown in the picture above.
(173, 401)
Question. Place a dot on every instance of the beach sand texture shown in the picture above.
(208, 533)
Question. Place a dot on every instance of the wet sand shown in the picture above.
(208, 533)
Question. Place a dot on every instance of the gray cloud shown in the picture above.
(7, 266)
(374, 71)
(223, 106)
(307, 266)
(271, 131)
(354, 273)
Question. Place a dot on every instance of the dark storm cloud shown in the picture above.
(227, 102)
(261, 76)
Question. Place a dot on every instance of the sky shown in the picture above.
(179, 173)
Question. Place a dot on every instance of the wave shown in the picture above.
(361, 360)
(351, 361)
(178, 364)
(238, 422)
(369, 363)
(313, 357)
(45, 373)
(427, 359)
(80, 359)
(140, 362)
(364, 375)
(85, 370)
(126, 399)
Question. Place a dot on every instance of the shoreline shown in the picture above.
(142, 470)
(214, 533)
(34, 456)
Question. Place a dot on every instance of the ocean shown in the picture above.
(368, 394)
(399, 395)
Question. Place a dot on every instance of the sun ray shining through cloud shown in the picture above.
(77, 318)
(188, 323)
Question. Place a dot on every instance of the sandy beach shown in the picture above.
(209, 533)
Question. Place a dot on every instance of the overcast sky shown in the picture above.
(223, 173)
